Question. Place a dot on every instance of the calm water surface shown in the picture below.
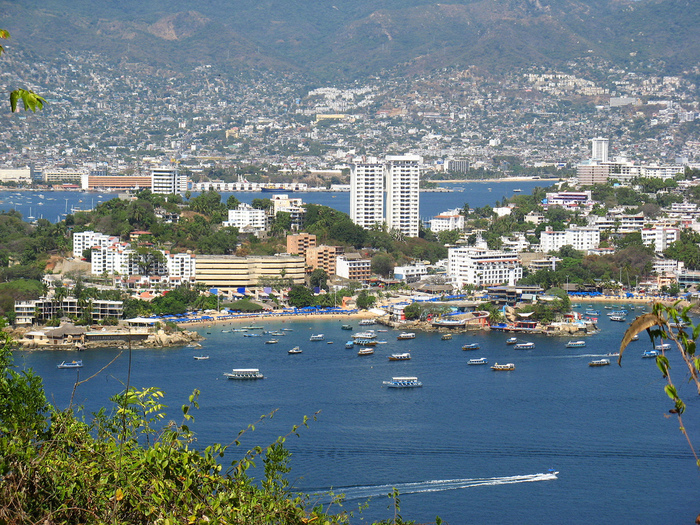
(467, 446)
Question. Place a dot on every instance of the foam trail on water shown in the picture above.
(437, 485)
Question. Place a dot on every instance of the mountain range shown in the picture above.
(358, 38)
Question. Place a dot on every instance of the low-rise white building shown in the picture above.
(247, 218)
(660, 237)
(481, 267)
(447, 221)
(352, 266)
(410, 274)
(580, 238)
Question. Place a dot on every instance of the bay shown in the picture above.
(467, 446)
(54, 205)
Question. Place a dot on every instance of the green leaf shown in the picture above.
(671, 392)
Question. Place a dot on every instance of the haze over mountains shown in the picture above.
(357, 38)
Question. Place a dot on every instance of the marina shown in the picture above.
(361, 419)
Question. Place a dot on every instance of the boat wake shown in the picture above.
(369, 491)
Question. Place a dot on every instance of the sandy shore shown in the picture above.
(268, 317)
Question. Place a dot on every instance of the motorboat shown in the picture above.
(349, 344)
(244, 373)
(316, 337)
(446, 337)
(651, 353)
(599, 362)
(368, 334)
(346, 327)
(400, 357)
(71, 364)
(365, 351)
(503, 368)
(367, 322)
(403, 382)
(512, 340)
(295, 350)
(366, 342)
(201, 357)
(272, 341)
(618, 318)
(524, 346)
(592, 312)
(406, 335)
(252, 335)
(663, 346)
(575, 344)
(253, 327)
(478, 361)
(471, 346)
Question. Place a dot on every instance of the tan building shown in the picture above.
(352, 266)
(589, 174)
(228, 272)
(322, 257)
(117, 182)
(298, 244)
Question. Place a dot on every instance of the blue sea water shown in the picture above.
(54, 205)
(469, 446)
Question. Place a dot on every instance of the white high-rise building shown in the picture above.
(403, 193)
(599, 149)
(483, 267)
(367, 192)
(168, 180)
(90, 239)
(580, 238)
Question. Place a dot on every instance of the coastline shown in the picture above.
(223, 319)
(502, 179)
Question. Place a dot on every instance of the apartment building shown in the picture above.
(168, 180)
(323, 257)
(447, 220)
(247, 219)
(45, 308)
(580, 238)
(352, 266)
(403, 193)
(228, 272)
(86, 240)
(367, 192)
(660, 237)
(482, 267)
(410, 274)
(299, 243)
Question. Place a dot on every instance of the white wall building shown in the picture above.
(112, 260)
(247, 218)
(579, 238)
(168, 180)
(660, 237)
(367, 192)
(21, 175)
(481, 267)
(599, 149)
(403, 193)
(410, 274)
(89, 239)
(293, 206)
(447, 220)
(181, 265)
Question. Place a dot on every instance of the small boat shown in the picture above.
(367, 322)
(635, 337)
(663, 346)
(349, 344)
(501, 368)
(524, 346)
(295, 350)
(613, 354)
(478, 361)
(329, 342)
(71, 364)
(287, 329)
(252, 335)
(575, 344)
(651, 353)
(365, 351)
(406, 335)
(276, 333)
(403, 382)
(244, 373)
(366, 342)
(346, 327)
(272, 341)
(400, 357)
(592, 312)
(599, 362)
(512, 340)
(618, 318)
(316, 337)
(252, 327)
(575, 305)
(471, 346)
(201, 357)
(446, 337)
(369, 334)
(225, 331)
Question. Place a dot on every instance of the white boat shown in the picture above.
(272, 341)
(367, 322)
(368, 334)
(400, 357)
(365, 351)
(446, 337)
(501, 368)
(512, 340)
(201, 357)
(478, 361)
(449, 322)
(403, 382)
(471, 346)
(350, 344)
(618, 318)
(651, 353)
(599, 362)
(71, 364)
(295, 350)
(663, 346)
(575, 344)
(244, 373)
(316, 337)
(524, 346)
(406, 335)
